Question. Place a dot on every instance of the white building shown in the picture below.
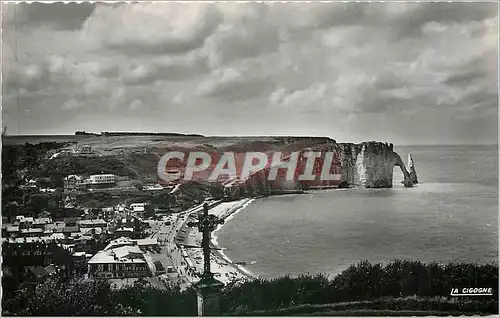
(102, 179)
(120, 262)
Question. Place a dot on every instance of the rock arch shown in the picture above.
(407, 181)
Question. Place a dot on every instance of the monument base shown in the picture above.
(208, 291)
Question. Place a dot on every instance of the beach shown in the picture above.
(224, 269)
(183, 244)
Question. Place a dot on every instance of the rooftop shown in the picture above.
(124, 254)
(147, 241)
(42, 221)
(35, 230)
(91, 222)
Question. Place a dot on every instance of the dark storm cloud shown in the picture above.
(60, 16)
(465, 78)
(443, 12)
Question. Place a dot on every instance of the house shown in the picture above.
(121, 262)
(31, 184)
(23, 252)
(139, 210)
(84, 243)
(71, 221)
(137, 205)
(67, 230)
(148, 244)
(120, 208)
(73, 182)
(85, 149)
(41, 222)
(32, 232)
(124, 231)
(95, 223)
(154, 187)
(93, 231)
(25, 222)
(10, 231)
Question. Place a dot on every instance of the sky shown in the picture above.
(407, 73)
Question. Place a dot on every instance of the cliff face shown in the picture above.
(411, 169)
(370, 164)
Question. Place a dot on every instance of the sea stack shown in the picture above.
(411, 169)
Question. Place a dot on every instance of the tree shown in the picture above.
(75, 297)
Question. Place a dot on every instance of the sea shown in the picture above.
(450, 216)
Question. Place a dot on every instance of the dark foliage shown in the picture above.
(75, 297)
(151, 301)
(364, 281)
(408, 306)
(401, 286)
(62, 166)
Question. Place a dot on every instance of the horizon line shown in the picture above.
(99, 134)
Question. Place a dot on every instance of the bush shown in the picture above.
(74, 297)
(400, 286)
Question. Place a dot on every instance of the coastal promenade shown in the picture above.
(183, 244)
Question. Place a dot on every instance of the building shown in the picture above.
(101, 180)
(42, 223)
(9, 231)
(145, 245)
(73, 182)
(139, 210)
(137, 205)
(148, 244)
(85, 149)
(124, 232)
(71, 221)
(121, 262)
(95, 223)
(19, 254)
(31, 232)
(24, 222)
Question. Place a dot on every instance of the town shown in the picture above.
(104, 225)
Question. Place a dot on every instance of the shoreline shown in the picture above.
(223, 267)
(226, 216)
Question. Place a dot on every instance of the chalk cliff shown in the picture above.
(368, 165)
(371, 164)
(411, 169)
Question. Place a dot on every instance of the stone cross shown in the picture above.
(206, 224)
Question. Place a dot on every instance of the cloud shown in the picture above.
(231, 84)
(136, 105)
(70, 104)
(173, 69)
(59, 16)
(178, 99)
(319, 64)
(155, 29)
